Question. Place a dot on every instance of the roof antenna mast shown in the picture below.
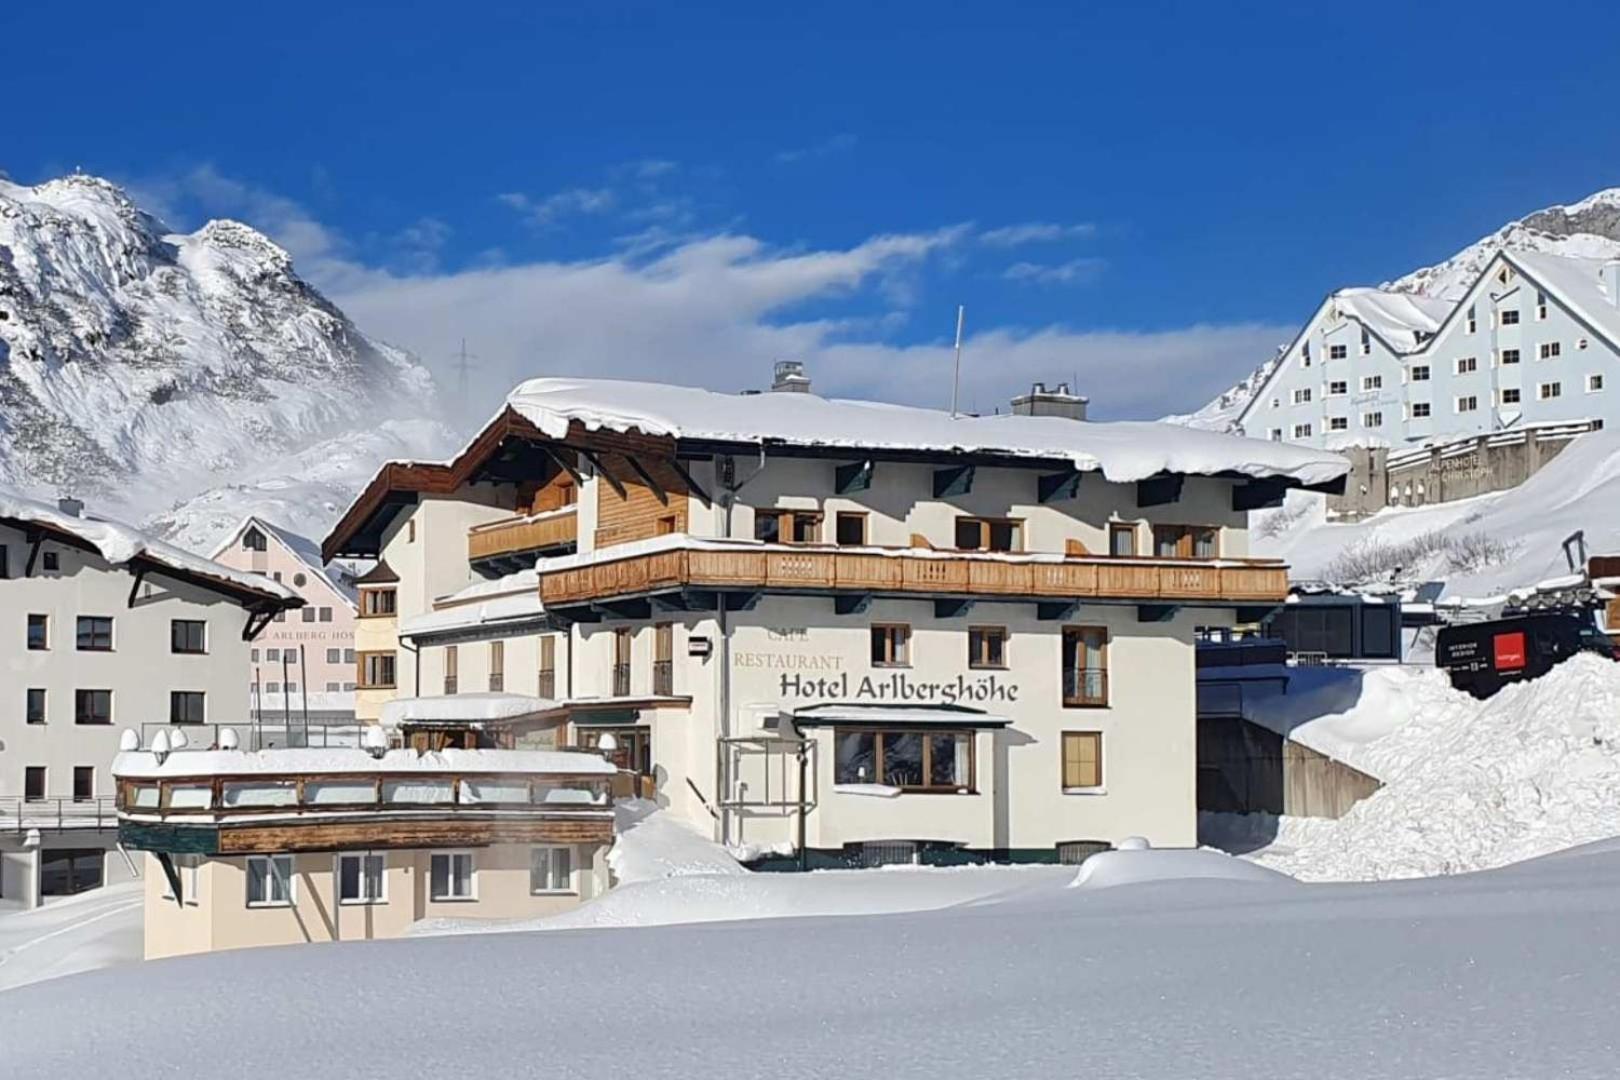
(956, 379)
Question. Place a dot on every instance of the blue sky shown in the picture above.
(1147, 196)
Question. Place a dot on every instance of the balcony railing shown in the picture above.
(1086, 687)
(516, 535)
(55, 814)
(664, 678)
(899, 571)
(621, 680)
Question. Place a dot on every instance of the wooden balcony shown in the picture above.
(549, 533)
(922, 573)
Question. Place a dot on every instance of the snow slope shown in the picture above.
(1509, 973)
(1578, 490)
(138, 366)
(79, 933)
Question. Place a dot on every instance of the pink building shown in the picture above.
(303, 660)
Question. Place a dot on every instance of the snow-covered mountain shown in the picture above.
(1589, 228)
(139, 367)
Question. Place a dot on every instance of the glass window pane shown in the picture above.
(439, 885)
(249, 794)
(902, 759)
(948, 760)
(329, 792)
(418, 791)
(968, 532)
(561, 868)
(1003, 536)
(856, 758)
(767, 527)
(494, 791)
(349, 877)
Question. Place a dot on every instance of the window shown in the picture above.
(1337, 388)
(1550, 349)
(39, 627)
(1510, 395)
(787, 526)
(1085, 666)
(333, 687)
(987, 646)
(623, 651)
(940, 761)
(664, 659)
(1467, 365)
(34, 783)
(1473, 323)
(1372, 419)
(1594, 383)
(270, 881)
(52, 562)
(281, 616)
(452, 669)
(1302, 395)
(1549, 390)
(1510, 356)
(988, 534)
(5, 562)
(1420, 410)
(292, 688)
(253, 656)
(666, 525)
(189, 706)
(1541, 304)
(272, 688)
(92, 706)
(334, 656)
(308, 614)
(326, 614)
(551, 870)
(253, 540)
(1366, 342)
(548, 666)
(1510, 317)
(1467, 403)
(1082, 760)
(1302, 431)
(891, 645)
(348, 656)
(850, 529)
(95, 633)
(450, 876)
(188, 636)
(1338, 352)
(1122, 540)
(362, 878)
(1420, 373)
(1276, 434)
(410, 531)
(1184, 541)
(1338, 423)
(273, 656)
(376, 603)
(36, 705)
(1305, 355)
(84, 783)
(377, 670)
(497, 666)
(290, 655)
(1372, 382)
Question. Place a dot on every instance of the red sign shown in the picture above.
(1509, 651)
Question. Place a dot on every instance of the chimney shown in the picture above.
(1609, 275)
(1056, 402)
(789, 378)
(70, 506)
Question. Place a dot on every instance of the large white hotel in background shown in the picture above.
(977, 632)
(1534, 339)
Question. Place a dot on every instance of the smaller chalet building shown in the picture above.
(853, 632)
(106, 629)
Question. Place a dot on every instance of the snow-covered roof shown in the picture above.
(142, 764)
(120, 544)
(484, 707)
(1406, 321)
(1122, 451)
(302, 548)
(1580, 284)
(514, 598)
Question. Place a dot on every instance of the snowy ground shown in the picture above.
(79, 933)
(1508, 973)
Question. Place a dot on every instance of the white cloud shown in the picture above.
(552, 208)
(837, 144)
(1073, 272)
(1034, 232)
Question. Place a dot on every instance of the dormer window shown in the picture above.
(1305, 355)
(1473, 323)
(253, 540)
(1366, 342)
(1541, 304)
(1338, 352)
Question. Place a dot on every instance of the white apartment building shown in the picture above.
(1534, 340)
(853, 632)
(106, 630)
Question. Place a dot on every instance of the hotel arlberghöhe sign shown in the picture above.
(822, 677)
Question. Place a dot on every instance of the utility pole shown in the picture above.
(956, 377)
(463, 364)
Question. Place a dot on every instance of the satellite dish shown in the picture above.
(375, 740)
(160, 745)
(129, 741)
(228, 739)
(178, 741)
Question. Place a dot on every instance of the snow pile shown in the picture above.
(1470, 785)
(1123, 452)
(1344, 712)
(1111, 869)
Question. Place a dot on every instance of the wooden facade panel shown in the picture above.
(866, 571)
(934, 575)
(348, 835)
(727, 567)
(1127, 579)
(1063, 579)
(639, 513)
(505, 537)
(786, 569)
(1000, 578)
(1189, 582)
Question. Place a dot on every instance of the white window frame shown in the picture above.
(382, 878)
(472, 876)
(1276, 434)
(1372, 419)
(1427, 413)
(289, 880)
(1366, 342)
(1338, 352)
(571, 888)
(1302, 396)
(1472, 399)
(1502, 356)
(1371, 382)
(1338, 423)
(1338, 388)
(1423, 368)
(1506, 390)
(1550, 350)
(1547, 391)
(1541, 306)
(1471, 361)
(1594, 383)
(1302, 431)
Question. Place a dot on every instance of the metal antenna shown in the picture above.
(463, 360)
(956, 379)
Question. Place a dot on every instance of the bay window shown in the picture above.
(920, 760)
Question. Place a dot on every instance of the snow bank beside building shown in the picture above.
(1471, 785)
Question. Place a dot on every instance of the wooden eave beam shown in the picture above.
(955, 480)
(1049, 487)
(647, 478)
(602, 471)
(1159, 490)
(691, 485)
(855, 476)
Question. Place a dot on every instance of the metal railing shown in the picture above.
(18, 814)
(621, 680)
(1088, 686)
(272, 732)
(664, 678)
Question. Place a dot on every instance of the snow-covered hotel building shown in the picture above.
(855, 630)
(106, 630)
(1534, 340)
